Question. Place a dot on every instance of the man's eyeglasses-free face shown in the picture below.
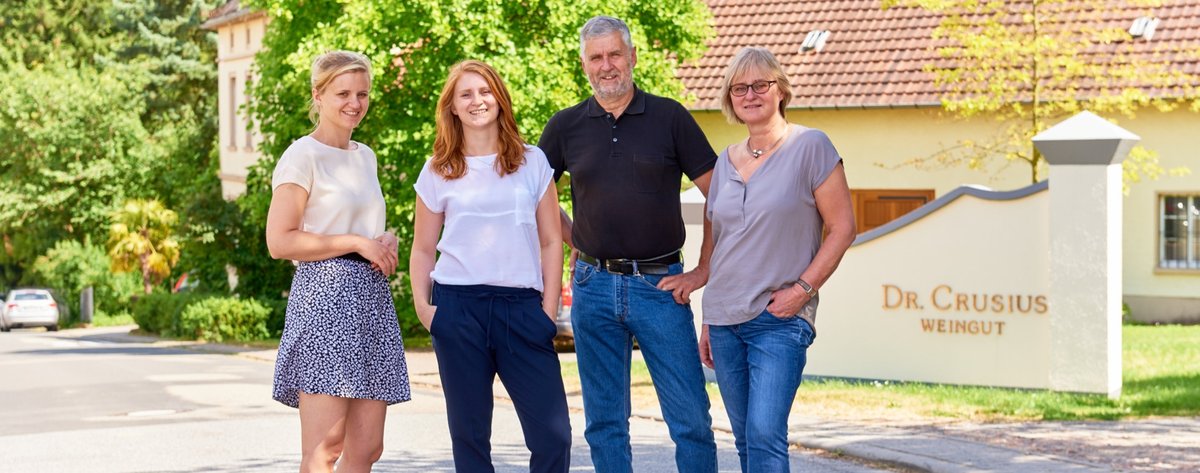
(759, 87)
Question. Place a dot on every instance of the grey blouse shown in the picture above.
(766, 230)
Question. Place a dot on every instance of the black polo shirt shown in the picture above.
(625, 173)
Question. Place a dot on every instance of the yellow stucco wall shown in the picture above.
(237, 42)
(874, 141)
(1176, 137)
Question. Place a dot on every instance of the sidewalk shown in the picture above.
(1168, 444)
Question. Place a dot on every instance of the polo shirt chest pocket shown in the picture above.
(524, 207)
(651, 172)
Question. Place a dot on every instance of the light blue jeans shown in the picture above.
(759, 364)
(609, 311)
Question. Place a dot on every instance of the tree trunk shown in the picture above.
(146, 273)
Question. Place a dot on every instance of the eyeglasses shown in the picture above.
(759, 87)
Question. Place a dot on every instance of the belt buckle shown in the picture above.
(618, 266)
(606, 264)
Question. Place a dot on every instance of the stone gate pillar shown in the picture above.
(1085, 154)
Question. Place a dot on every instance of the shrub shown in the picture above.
(160, 311)
(71, 266)
(225, 318)
(277, 318)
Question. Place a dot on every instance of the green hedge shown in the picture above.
(71, 266)
(160, 311)
(225, 318)
(278, 316)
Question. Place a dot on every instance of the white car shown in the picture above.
(29, 308)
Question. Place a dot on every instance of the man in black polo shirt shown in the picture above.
(626, 151)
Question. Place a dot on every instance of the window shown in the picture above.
(1179, 232)
(233, 118)
(814, 41)
(875, 207)
(249, 124)
(1143, 27)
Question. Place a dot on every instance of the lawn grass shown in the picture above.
(1161, 374)
(105, 320)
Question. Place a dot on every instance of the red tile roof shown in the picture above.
(873, 57)
(229, 12)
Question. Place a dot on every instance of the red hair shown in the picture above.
(449, 159)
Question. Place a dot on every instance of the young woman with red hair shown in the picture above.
(489, 301)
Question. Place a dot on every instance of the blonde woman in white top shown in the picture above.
(341, 359)
(489, 301)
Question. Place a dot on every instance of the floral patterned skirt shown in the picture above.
(341, 336)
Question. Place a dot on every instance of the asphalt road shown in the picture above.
(77, 401)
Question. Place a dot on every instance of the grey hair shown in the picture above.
(601, 25)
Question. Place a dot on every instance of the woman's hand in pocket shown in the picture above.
(787, 302)
(425, 314)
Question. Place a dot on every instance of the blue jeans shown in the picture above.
(759, 364)
(609, 311)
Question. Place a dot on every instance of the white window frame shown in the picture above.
(1191, 261)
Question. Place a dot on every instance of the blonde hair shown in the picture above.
(449, 157)
(327, 67)
(758, 59)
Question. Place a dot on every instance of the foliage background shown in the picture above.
(101, 102)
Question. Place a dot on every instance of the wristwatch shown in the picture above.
(808, 289)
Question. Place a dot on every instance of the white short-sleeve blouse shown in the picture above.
(344, 196)
(490, 235)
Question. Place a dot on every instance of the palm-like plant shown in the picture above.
(141, 238)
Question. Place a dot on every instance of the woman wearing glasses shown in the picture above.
(771, 196)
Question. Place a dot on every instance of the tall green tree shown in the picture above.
(1029, 64)
(142, 239)
(534, 44)
(161, 41)
(35, 32)
(101, 102)
(71, 145)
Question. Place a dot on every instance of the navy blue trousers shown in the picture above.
(480, 332)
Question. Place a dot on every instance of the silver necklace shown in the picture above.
(755, 153)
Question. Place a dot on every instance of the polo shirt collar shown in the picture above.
(637, 106)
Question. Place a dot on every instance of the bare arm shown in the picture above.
(565, 225)
(706, 246)
(427, 225)
(551, 241)
(833, 202)
(285, 239)
(682, 285)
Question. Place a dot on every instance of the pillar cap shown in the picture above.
(1085, 138)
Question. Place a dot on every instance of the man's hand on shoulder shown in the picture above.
(682, 285)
